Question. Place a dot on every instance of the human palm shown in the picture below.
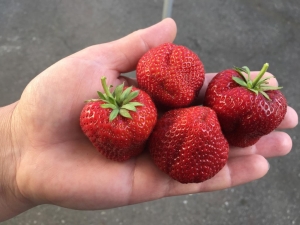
(59, 165)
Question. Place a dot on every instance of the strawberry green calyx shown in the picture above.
(259, 84)
(120, 101)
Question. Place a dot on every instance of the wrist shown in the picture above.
(12, 202)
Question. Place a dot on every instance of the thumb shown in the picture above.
(122, 55)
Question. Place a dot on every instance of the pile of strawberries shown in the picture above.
(189, 142)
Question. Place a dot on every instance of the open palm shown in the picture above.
(59, 165)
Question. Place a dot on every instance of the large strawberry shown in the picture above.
(119, 123)
(171, 74)
(247, 109)
(188, 144)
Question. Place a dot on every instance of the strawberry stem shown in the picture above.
(105, 88)
(261, 73)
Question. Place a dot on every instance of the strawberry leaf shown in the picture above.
(92, 100)
(109, 106)
(125, 113)
(112, 100)
(270, 88)
(129, 107)
(131, 96)
(263, 81)
(255, 91)
(240, 81)
(246, 70)
(118, 92)
(125, 94)
(136, 104)
(113, 114)
(265, 95)
(241, 71)
(101, 95)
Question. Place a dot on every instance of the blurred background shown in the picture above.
(34, 34)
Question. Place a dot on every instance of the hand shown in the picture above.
(49, 160)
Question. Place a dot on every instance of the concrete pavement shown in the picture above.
(35, 34)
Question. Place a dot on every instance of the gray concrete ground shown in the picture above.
(34, 34)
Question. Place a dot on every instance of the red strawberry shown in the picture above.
(188, 144)
(247, 109)
(119, 123)
(171, 74)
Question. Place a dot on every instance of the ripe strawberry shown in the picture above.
(171, 74)
(188, 144)
(115, 124)
(247, 109)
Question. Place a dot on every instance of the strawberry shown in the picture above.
(188, 144)
(119, 123)
(171, 74)
(247, 109)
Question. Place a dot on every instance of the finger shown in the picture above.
(122, 55)
(237, 171)
(128, 81)
(290, 120)
(272, 145)
(207, 80)
(130, 49)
